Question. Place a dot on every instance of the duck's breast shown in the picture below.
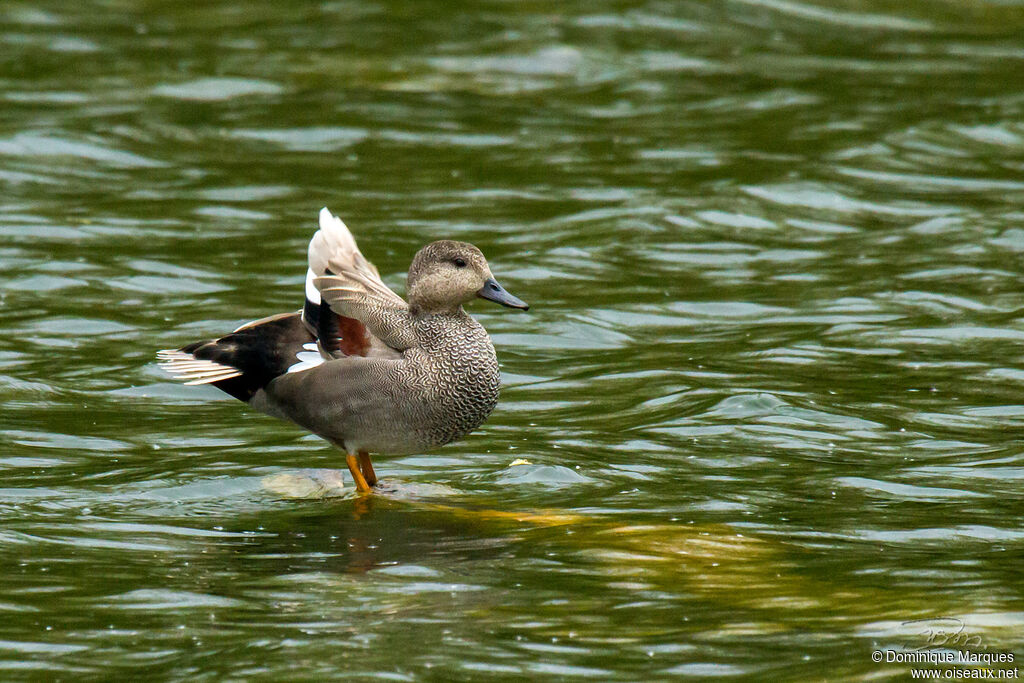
(463, 378)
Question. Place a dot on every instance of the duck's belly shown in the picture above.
(382, 423)
(413, 428)
(385, 406)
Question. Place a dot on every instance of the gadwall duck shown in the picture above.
(358, 366)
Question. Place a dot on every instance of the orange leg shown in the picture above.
(357, 476)
(367, 467)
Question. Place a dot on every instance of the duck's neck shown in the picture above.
(419, 311)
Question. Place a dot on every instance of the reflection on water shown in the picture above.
(767, 396)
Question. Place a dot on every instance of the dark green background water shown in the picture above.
(771, 387)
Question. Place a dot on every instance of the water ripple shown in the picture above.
(766, 399)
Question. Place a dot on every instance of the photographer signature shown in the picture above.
(943, 632)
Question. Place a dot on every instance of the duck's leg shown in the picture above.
(367, 467)
(357, 476)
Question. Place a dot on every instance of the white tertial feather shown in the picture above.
(186, 367)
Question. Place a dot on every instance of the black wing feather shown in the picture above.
(262, 351)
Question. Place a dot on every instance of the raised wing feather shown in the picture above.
(333, 252)
(351, 285)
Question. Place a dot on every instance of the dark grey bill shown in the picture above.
(496, 293)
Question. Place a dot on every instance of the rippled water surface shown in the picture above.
(770, 391)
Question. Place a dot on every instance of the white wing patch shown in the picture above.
(312, 293)
(309, 358)
(186, 367)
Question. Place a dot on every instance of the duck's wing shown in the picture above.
(345, 294)
(246, 360)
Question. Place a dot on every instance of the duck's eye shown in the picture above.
(460, 263)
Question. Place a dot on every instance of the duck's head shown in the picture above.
(446, 274)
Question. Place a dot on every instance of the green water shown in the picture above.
(771, 386)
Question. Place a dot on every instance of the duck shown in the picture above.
(358, 365)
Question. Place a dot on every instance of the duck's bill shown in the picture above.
(492, 291)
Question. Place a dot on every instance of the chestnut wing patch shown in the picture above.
(340, 335)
